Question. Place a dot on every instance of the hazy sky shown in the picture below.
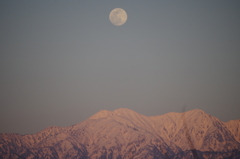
(62, 61)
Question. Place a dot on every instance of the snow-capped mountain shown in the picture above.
(125, 134)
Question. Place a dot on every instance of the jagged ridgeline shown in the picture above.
(125, 134)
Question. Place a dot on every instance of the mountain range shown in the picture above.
(125, 134)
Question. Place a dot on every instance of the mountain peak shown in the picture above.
(197, 111)
(198, 115)
(101, 114)
(122, 111)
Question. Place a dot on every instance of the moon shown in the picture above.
(118, 16)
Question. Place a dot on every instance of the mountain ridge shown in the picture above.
(124, 133)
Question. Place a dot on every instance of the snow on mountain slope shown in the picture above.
(123, 133)
(234, 127)
(167, 125)
(195, 130)
(128, 117)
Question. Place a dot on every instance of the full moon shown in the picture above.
(118, 16)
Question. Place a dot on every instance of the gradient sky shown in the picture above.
(62, 61)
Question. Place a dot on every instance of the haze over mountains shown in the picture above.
(123, 133)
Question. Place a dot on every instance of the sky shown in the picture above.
(62, 61)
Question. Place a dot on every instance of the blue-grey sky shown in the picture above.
(62, 61)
